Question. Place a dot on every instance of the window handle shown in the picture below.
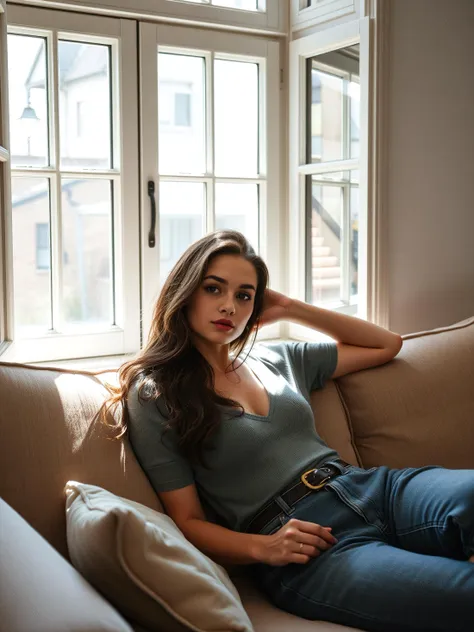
(151, 234)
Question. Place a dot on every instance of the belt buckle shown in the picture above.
(320, 485)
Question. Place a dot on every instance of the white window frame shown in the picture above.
(273, 19)
(265, 52)
(324, 11)
(124, 336)
(4, 181)
(357, 32)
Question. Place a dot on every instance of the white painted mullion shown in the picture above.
(297, 140)
(149, 169)
(345, 244)
(126, 188)
(345, 226)
(93, 174)
(333, 166)
(263, 155)
(55, 190)
(372, 279)
(210, 220)
(346, 121)
(273, 246)
(169, 178)
(26, 171)
(6, 254)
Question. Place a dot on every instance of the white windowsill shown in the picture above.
(108, 363)
(103, 363)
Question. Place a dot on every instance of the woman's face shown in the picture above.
(227, 293)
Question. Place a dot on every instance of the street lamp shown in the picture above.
(29, 122)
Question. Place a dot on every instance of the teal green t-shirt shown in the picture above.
(254, 456)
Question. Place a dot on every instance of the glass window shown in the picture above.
(28, 101)
(43, 253)
(87, 290)
(181, 99)
(182, 109)
(182, 220)
(83, 297)
(84, 105)
(334, 237)
(31, 228)
(189, 144)
(332, 198)
(236, 118)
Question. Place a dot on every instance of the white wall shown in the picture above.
(431, 163)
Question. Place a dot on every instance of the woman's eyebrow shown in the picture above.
(246, 286)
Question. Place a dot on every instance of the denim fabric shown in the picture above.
(400, 564)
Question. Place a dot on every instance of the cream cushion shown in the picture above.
(47, 437)
(40, 591)
(418, 409)
(141, 561)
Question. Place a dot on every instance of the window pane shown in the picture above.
(31, 256)
(236, 118)
(182, 113)
(237, 209)
(326, 115)
(87, 253)
(84, 105)
(334, 105)
(326, 242)
(27, 87)
(182, 220)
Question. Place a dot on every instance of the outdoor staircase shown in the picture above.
(326, 271)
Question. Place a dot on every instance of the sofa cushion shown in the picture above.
(331, 422)
(47, 438)
(41, 591)
(418, 409)
(141, 561)
(266, 617)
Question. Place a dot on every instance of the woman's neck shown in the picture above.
(218, 356)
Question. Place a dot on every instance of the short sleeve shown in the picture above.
(315, 362)
(156, 451)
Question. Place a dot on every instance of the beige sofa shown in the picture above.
(416, 410)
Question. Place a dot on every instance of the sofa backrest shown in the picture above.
(418, 409)
(47, 438)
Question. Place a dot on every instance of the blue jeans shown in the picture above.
(400, 564)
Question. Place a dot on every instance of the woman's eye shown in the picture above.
(245, 296)
(210, 289)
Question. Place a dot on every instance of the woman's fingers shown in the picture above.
(312, 529)
(312, 540)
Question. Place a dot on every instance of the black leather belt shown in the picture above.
(310, 481)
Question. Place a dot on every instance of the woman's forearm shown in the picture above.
(223, 545)
(348, 329)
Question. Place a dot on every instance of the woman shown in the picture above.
(228, 441)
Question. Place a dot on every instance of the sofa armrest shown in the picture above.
(40, 591)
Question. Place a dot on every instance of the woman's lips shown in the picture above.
(222, 327)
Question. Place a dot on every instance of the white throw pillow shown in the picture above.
(144, 565)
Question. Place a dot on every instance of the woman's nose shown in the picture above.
(228, 306)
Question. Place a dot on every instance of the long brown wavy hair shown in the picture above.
(170, 366)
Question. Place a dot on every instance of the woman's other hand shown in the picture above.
(296, 542)
(275, 307)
